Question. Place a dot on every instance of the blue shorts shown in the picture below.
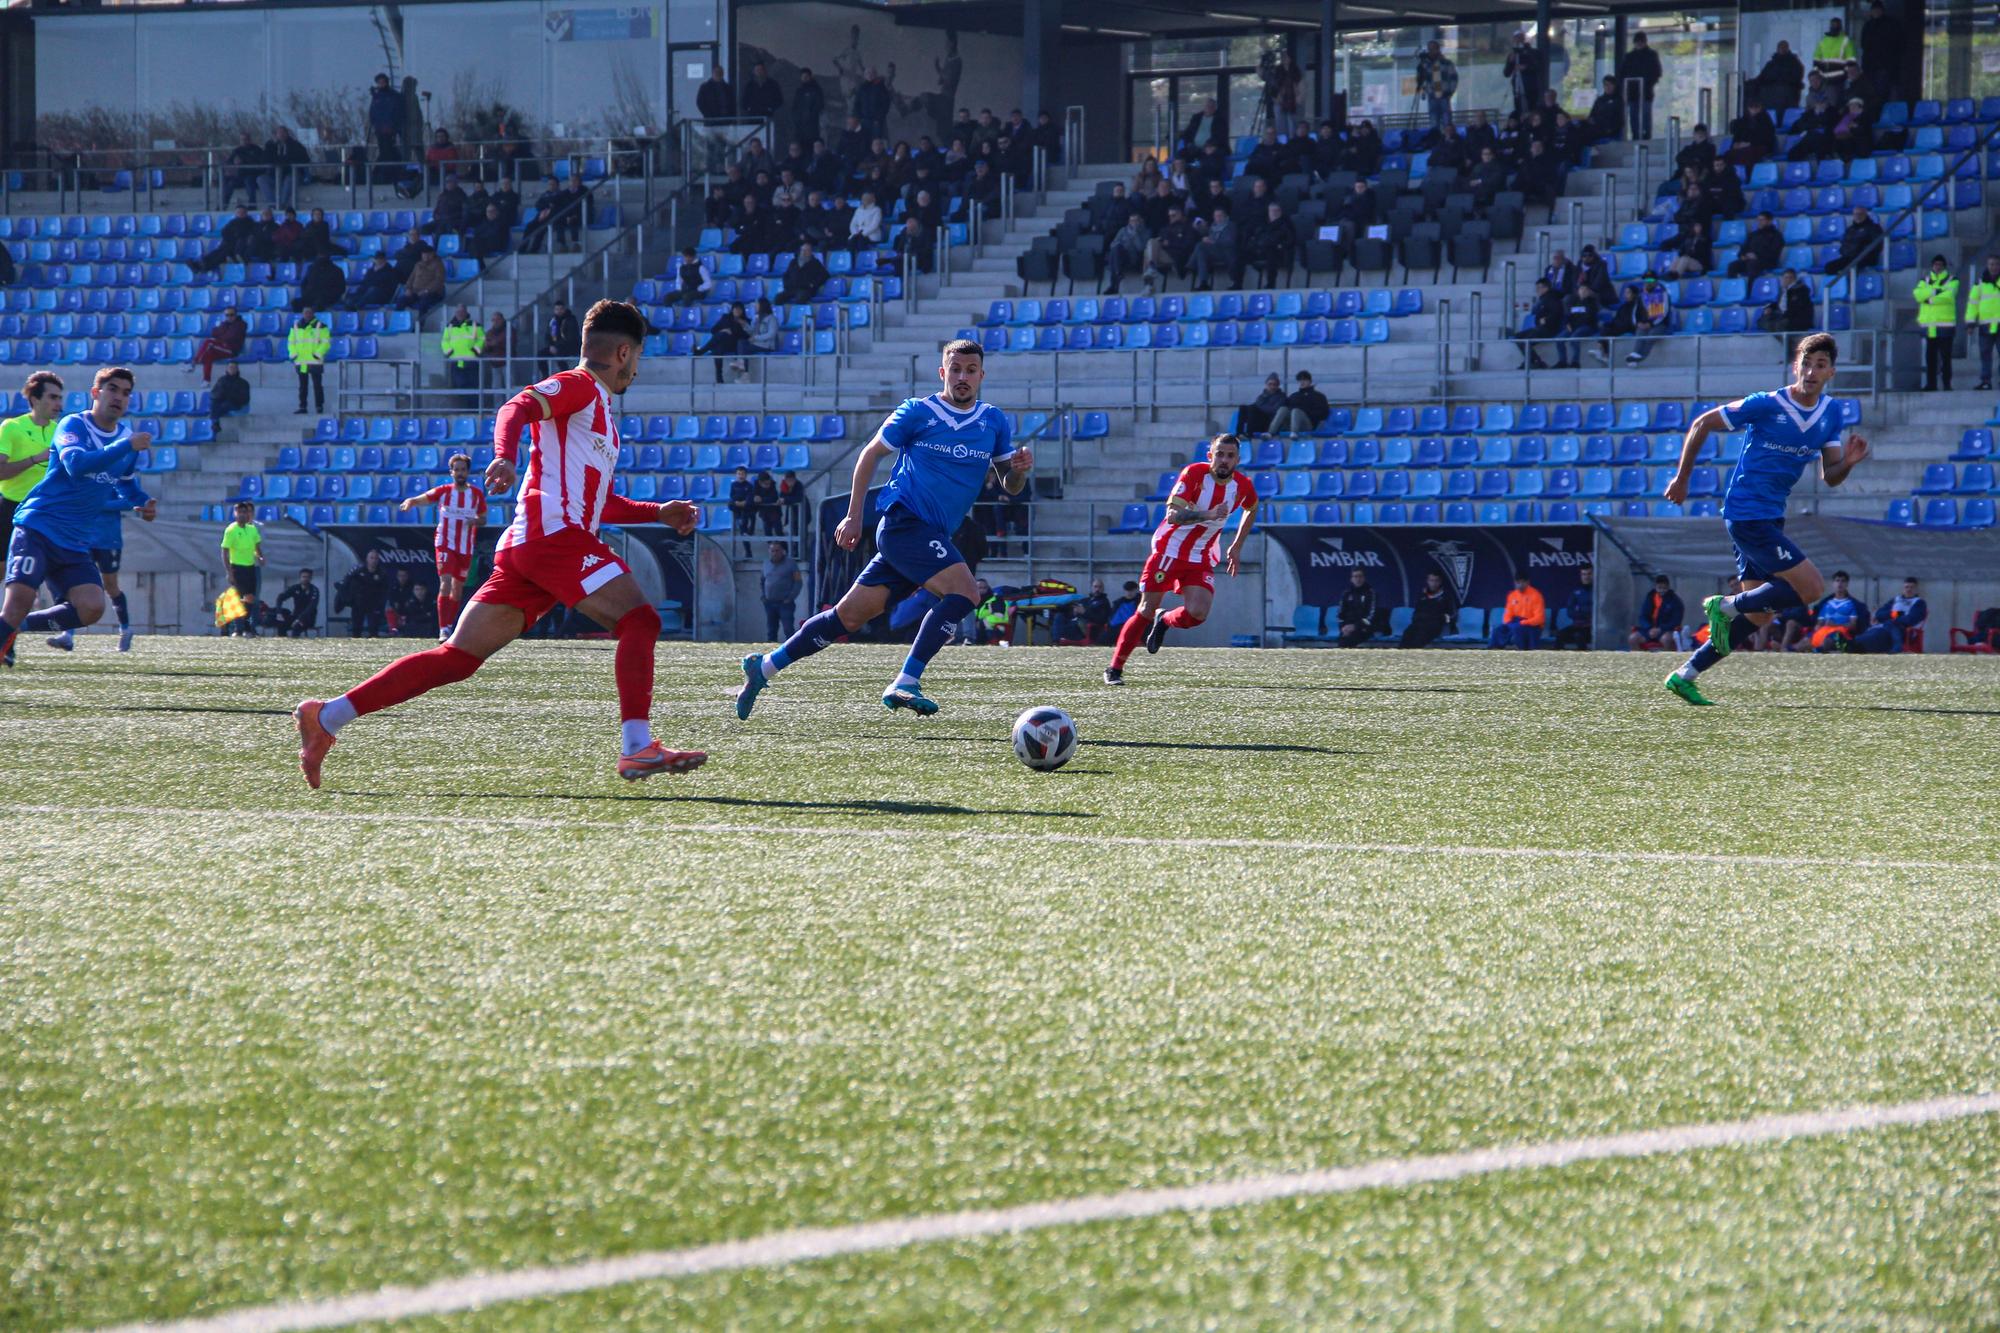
(1763, 551)
(33, 559)
(908, 554)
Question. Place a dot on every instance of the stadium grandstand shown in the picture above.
(1512, 301)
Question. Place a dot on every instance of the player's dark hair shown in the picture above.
(40, 380)
(455, 457)
(615, 319)
(964, 347)
(1818, 342)
(1228, 439)
(110, 373)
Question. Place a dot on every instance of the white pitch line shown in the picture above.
(807, 1244)
(1589, 854)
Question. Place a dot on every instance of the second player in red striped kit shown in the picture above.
(1184, 550)
(461, 512)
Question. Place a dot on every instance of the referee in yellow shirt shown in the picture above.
(24, 454)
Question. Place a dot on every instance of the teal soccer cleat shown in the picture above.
(910, 697)
(753, 685)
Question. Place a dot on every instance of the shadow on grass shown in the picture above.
(1246, 747)
(161, 708)
(742, 802)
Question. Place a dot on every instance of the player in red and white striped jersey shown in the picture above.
(461, 509)
(550, 555)
(1184, 550)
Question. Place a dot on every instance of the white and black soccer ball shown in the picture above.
(1044, 738)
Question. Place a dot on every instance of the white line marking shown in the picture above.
(480, 1290)
(1593, 854)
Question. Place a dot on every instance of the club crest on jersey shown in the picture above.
(549, 388)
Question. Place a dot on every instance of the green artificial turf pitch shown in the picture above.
(478, 1005)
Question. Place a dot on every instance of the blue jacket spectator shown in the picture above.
(1894, 622)
(1580, 613)
(1659, 619)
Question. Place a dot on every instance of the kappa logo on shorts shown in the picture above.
(590, 560)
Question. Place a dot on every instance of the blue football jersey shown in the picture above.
(1781, 439)
(942, 456)
(85, 466)
(110, 534)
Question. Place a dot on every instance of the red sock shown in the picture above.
(637, 630)
(407, 677)
(1181, 618)
(1130, 635)
(447, 611)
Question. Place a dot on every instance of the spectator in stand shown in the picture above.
(1982, 312)
(1581, 318)
(1540, 178)
(232, 244)
(317, 237)
(1895, 619)
(1792, 312)
(1641, 63)
(496, 352)
(726, 338)
(1860, 245)
(1881, 52)
(424, 289)
(1303, 410)
(1274, 245)
(1526, 73)
(230, 396)
(1127, 252)
(1437, 80)
(1255, 418)
(288, 237)
(1834, 50)
(1838, 618)
(1693, 252)
(1848, 137)
(742, 507)
(461, 341)
(1698, 152)
(1123, 609)
(506, 197)
(808, 108)
(448, 209)
(1488, 177)
(1561, 274)
(1753, 137)
(490, 237)
(249, 166)
(1217, 252)
(1203, 130)
(693, 280)
(865, 229)
(912, 244)
(1582, 610)
(321, 286)
(1782, 81)
(1364, 149)
(762, 97)
(1762, 249)
(1652, 318)
(781, 585)
(770, 504)
(715, 99)
(871, 103)
(1356, 616)
(263, 233)
(1522, 618)
(1593, 275)
(308, 344)
(1937, 316)
(296, 612)
(386, 114)
(289, 159)
(224, 341)
(1661, 613)
(441, 158)
(1607, 114)
(562, 341)
(1283, 91)
(763, 336)
(410, 612)
(1434, 612)
(1544, 322)
(804, 278)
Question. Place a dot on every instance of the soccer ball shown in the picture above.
(1044, 738)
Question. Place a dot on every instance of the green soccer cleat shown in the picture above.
(1718, 625)
(910, 697)
(1687, 691)
(753, 685)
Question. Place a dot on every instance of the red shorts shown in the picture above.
(562, 568)
(1176, 575)
(452, 564)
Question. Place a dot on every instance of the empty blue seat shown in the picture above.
(1940, 514)
(1938, 479)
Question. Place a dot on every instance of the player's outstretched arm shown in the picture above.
(848, 534)
(1697, 436)
(680, 515)
(1834, 465)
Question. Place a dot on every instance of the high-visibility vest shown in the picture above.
(462, 342)
(1937, 302)
(1982, 304)
(1834, 48)
(308, 344)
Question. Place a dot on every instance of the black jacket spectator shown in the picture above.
(1642, 63)
(1434, 612)
(296, 612)
(803, 280)
(1783, 78)
(1540, 176)
(322, 286)
(1310, 401)
(386, 110)
(1560, 275)
(1357, 610)
(1761, 251)
(1792, 312)
(1881, 50)
(1607, 113)
(1594, 275)
(316, 238)
(871, 102)
(715, 99)
(1755, 138)
(1699, 152)
(808, 107)
(1861, 244)
(376, 286)
(565, 338)
(761, 96)
(364, 595)
(235, 243)
(447, 211)
(286, 153)
(230, 394)
(1487, 178)
(409, 256)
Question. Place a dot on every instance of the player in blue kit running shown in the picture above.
(91, 453)
(944, 445)
(107, 552)
(1786, 429)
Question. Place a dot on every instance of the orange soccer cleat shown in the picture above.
(314, 740)
(656, 758)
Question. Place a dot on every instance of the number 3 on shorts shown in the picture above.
(938, 548)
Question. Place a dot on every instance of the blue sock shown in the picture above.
(124, 615)
(61, 616)
(1777, 595)
(821, 631)
(1705, 656)
(940, 623)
